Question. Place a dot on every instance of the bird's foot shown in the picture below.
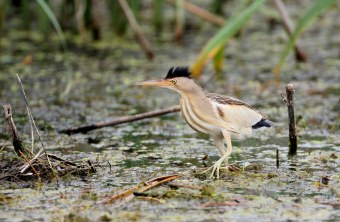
(216, 168)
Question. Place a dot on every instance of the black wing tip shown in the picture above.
(181, 71)
(262, 123)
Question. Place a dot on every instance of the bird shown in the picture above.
(219, 116)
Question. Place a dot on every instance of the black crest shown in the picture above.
(182, 71)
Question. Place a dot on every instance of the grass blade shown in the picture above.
(316, 9)
(4, 5)
(54, 21)
(158, 14)
(223, 35)
(218, 59)
(119, 21)
(25, 14)
(43, 23)
(135, 8)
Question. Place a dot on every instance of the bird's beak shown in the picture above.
(158, 82)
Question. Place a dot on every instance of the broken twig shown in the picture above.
(277, 159)
(28, 162)
(17, 144)
(120, 120)
(289, 101)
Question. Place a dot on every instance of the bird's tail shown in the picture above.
(263, 123)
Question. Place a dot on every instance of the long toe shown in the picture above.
(213, 171)
(216, 169)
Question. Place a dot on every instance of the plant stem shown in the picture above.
(144, 43)
(291, 118)
(210, 17)
(289, 27)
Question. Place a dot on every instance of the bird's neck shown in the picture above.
(195, 92)
(197, 98)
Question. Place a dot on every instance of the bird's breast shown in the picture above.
(197, 119)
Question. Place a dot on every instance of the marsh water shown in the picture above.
(91, 83)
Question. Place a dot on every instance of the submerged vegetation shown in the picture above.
(79, 61)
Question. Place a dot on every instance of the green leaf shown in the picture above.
(316, 9)
(223, 35)
(54, 21)
(218, 59)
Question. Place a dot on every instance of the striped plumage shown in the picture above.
(219, 116)
(229, 110)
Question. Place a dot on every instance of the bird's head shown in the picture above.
(177, 79)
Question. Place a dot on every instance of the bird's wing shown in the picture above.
(235, 111)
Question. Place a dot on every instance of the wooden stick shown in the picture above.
(52, 156)
(120, 120)
(28, 162)
(176, 185)
(17, 144)
(289, 27)
(144, 43)
(27, 166)
(291, 118)
(277, 159)
(210, 17)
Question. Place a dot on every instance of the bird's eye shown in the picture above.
(174, 81)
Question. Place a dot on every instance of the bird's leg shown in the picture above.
(219, 143)
(217, 165)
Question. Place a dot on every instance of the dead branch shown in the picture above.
(52, 156)
(120, 120)
(289, 27)
(210, 17)
(27, 166)
(144, 43)
(289, 101)
(18, 147)
(32, 167)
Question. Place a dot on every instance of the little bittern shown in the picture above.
(221, 117)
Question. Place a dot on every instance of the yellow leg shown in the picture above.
(219, 143)
(216, 167)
